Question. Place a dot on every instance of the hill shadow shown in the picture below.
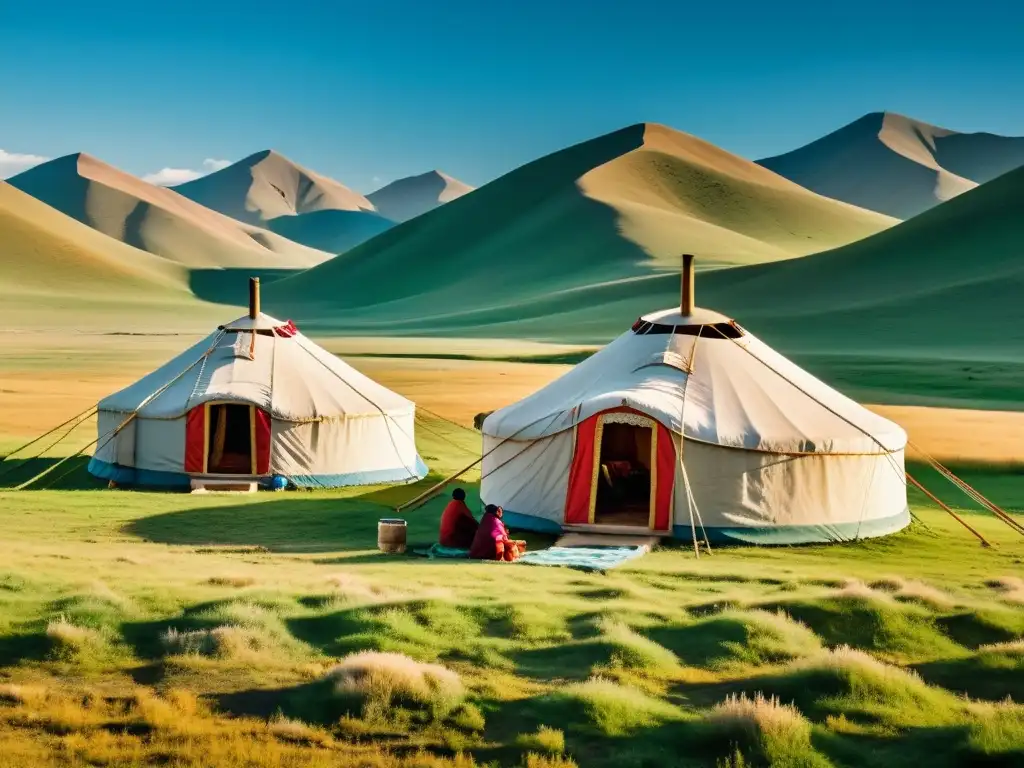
(329, 230)
(227, 286)
(979, 678)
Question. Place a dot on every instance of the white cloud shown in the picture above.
(12, 163)
(169, 177)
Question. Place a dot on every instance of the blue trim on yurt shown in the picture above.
(783, 534)
(373, 477)
(530, 523)
(158, 479)
(801, 534)
(133, 476)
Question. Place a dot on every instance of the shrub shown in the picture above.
(230, 581)
(876, 622)
(296, 731)
(618, 710)
(354, 589)
(997, 729)
(28, 695)
(546, 740)
(853, 682)
(777, 733)
(243, 629)
(228, 643)
(468, 717)
(380, 681)
(772, 637)
(72, 643)
(545, 761)
(636, 652)
(1011, 588)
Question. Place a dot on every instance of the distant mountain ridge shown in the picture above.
(267, 185)
(157, 219)
(413, 196)
(267, 189)
(896, 165)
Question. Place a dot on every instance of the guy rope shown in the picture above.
(101, 441)
(944, 471)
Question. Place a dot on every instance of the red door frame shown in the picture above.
(581, 494)
(197, 438)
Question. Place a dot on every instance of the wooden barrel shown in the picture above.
(391, 535)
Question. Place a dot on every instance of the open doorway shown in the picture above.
(230, 449)
(624, 475)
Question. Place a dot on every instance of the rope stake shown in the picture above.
(933, 497)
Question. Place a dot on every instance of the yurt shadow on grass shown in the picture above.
(323, 521)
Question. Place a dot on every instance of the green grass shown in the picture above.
(246, 605)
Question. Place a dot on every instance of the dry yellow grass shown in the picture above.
(914, 591)
(386, 680)
(76, 729)
(1010, 588)
(993, 437)
(36, 399)
(757, 713)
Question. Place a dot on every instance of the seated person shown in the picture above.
(491, 541)
(458, 526)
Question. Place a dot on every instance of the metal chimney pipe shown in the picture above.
(254, 297)
(686, 289)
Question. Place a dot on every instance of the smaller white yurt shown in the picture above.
(687, 425)
(256, 399)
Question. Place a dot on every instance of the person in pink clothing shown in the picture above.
(491, 541)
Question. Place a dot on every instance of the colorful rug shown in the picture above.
(584, 558)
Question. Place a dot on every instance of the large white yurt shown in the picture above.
(687, 425)
(256, 399)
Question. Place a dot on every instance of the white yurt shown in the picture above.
(256, 399)
(689, 426)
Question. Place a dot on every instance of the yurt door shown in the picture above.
(623, 472)
(230, 438)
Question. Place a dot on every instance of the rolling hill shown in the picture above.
(547, 250)
(896, 165)
(156, 219)
(46, 252)
(947, 282)
(269, 190)
(415, 195)
(56, 272)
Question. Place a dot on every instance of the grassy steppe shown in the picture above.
(144, 628)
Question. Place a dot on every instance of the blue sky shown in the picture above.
(371, 91)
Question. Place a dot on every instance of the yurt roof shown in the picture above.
(248, 361)
(738, 392)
